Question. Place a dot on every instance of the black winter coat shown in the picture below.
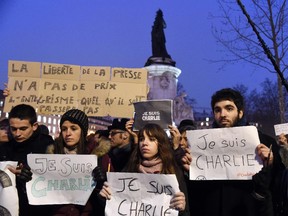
(37, 144)
(230, 197)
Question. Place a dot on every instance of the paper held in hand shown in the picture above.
(224, 153)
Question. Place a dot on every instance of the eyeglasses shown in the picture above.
(113, 133)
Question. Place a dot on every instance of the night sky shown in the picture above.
(117, 33)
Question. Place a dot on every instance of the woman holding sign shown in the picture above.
(154, 155)
(72, 140)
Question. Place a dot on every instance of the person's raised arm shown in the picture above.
(176, 136)
(128, 126)
(6, 91)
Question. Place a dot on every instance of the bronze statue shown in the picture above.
(159, 52)
(158, 36)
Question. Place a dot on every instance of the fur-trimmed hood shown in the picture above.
(103, 147)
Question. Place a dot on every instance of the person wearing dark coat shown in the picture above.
(74, 126)
(281, 181)
(236, 197)
(154, 155)
(121, 144)
(26, 138)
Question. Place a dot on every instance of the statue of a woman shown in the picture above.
(158, 36)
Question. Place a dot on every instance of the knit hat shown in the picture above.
(76, 116)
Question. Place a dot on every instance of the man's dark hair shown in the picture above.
(24, 111)
(228, 94)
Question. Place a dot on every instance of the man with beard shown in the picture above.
(235, 197)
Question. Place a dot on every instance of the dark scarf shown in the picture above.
(70, 149)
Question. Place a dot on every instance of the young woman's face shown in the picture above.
(71, 133)
(148, 147)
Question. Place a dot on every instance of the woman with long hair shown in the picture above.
(154, 155)
(72, 140)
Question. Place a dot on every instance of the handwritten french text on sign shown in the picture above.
(8, 192)
(224, 153)
(121, 100)
(134, 75)
(60, 179)
(281, 128)
(23, 90)
(63, 87)
(57, 96)
(24, 69)
(141, 194)
(60, 71)
(89, 73)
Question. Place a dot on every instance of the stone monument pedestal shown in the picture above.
(162, 80)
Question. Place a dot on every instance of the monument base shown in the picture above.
(160, 61)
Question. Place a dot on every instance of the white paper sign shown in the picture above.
(60, 179)
(141, 194)
(281, 128)
(9, 204)
(224, 153)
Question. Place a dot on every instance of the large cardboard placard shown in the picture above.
(224, 153)
(141, 194)
(55, 88)
(60, 179)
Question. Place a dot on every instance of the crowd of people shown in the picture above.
(149, 150)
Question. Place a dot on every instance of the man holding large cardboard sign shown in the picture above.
(231, 197)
